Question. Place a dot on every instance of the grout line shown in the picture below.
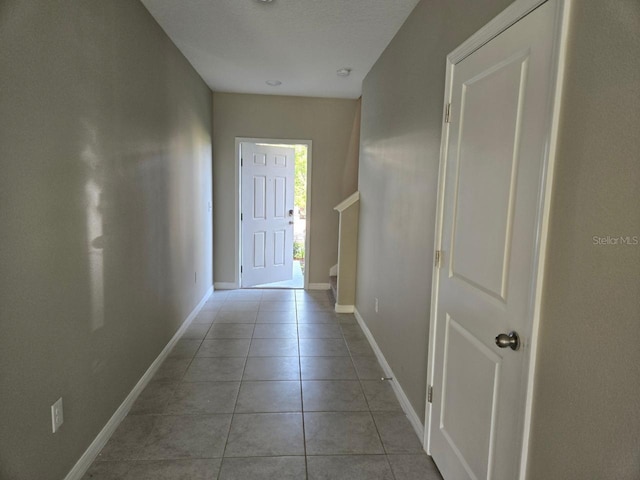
(194, 355)
(384, 449)
(220, 467)
(233, 414)
(153, 427)
(304, 432)
(144, 460)
(386, 457)
(179, 381)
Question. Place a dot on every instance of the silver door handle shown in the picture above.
(290, 222)
(511, 340)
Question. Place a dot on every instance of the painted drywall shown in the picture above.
(328, 123)
(402, 103)
(586, 421)
(105, 154)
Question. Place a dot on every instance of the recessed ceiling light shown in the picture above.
(273, 83)
(264, 1)
(343, 72)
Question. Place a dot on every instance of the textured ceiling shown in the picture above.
(237, 45)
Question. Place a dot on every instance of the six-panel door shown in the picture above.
(267, 213)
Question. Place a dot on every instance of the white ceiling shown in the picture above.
(237, 45)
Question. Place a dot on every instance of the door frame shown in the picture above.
(512, 14)
(238, 200)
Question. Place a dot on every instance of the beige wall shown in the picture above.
(328, 123)
(586, 416)
(402, 103)
(105, 161)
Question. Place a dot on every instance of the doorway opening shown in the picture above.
(274, 200)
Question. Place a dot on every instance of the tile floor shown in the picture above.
(268, 385)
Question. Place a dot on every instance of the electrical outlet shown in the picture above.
(57, 416)
(376, 305)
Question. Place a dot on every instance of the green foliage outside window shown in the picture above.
(300, 183)
(298, 250)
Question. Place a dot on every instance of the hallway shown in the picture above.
(267, 384)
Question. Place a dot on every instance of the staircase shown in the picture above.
(343, 284)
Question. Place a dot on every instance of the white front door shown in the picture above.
(493, 171)
(267, 213)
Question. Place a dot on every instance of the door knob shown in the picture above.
(511, 340)
(290, 222)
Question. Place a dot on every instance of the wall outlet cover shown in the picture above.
(57, 416)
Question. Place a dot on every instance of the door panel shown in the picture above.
(491, 187)
(280, 247)
(487, 155)
(259, 198)
(470, 369)
(259, 247)
(280, 191)
(267, 198)
(259, 159)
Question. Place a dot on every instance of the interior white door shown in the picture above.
(493, 170)
(267, 213)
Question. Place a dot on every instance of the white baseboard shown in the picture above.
(319, 286)
(413, 417)
(87, 458)
(333, 271)
(226, 286)
(345, 308)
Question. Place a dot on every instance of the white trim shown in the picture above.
(319, 286)
(411, 414)
(333, 271)
(544, 209)
(437, 246)
(225, 286)
(511, 15)
(90, 454)
(236, 215)
(238, 195)
(345, 308)
(347, 202)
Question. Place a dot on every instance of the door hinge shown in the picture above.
(447, 113)
(437, 258)
(241, 217)
(240, 268)
(430, 394)
(241, 162)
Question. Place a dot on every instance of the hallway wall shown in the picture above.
(329, 123)
(586, 420)
(105, 160)
(402, 103)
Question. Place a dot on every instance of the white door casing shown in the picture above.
(492, 199)
(267, 213)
